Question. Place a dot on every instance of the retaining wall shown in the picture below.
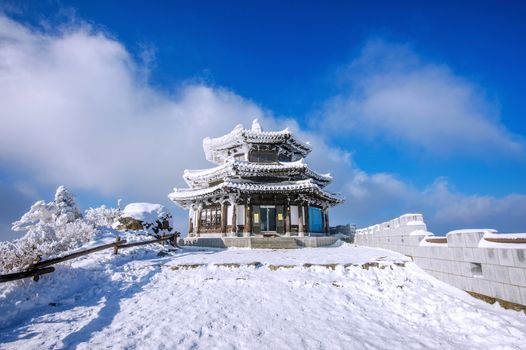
(465, 259)
(260, 242)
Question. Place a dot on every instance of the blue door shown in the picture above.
(315, 220)
(268, 219)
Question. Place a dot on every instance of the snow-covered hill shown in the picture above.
(326, 298)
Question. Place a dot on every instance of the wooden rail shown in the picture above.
(136, 244)
(24, 274)
(42, 267)
(505, 240)
(489, 239)
(76, 254)
(436, 239)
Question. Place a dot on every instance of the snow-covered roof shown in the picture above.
(303, 186)
(248, 169)
(216, 148)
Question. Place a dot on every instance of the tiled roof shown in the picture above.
(253, 187)
(240, 135)
(243, 168)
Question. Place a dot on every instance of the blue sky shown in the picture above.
(413, 106)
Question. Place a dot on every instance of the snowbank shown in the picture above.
(141, 301)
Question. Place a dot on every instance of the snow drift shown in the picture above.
(320, 298)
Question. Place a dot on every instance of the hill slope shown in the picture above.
(328, 298)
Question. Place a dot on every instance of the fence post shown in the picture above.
(116, 246)
(175, 239)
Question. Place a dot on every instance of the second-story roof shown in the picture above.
(216, 149)
(238, 168)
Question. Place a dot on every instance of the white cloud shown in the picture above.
(76, 109)
(451, 209)
(377, 197)
(444, 209)
(394, 95)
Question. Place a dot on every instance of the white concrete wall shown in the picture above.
(402, 225)
(466, 261)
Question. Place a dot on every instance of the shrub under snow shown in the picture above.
(51, 228)
(56, 227)
(102, 216)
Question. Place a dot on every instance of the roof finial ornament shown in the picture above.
(255, 126)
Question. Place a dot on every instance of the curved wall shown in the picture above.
(478, 261)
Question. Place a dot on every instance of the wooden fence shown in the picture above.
(42, 267)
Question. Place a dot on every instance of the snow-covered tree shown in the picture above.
(56, 227)
(65, 206)
(51, 228)
(41, 214)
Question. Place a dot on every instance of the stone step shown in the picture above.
(273, 243)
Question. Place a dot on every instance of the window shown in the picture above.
(262, 156)
(211, 217)
(476, 269)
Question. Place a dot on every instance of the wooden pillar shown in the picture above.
(234, 219)
(307, 228)
(248, 221)
(191, 223)
(326, 221)
(287, 218)
(301, 230)
(223, 218)
(198, 223)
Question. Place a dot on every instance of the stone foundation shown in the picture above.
(260, 242)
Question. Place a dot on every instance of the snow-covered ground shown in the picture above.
(249, 299)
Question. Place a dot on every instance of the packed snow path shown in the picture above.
(250, 299)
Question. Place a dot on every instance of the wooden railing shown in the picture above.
(505, 239)
(42, 267)
(436, 239)
(489, 239)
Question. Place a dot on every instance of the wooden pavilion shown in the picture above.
(261, 186)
